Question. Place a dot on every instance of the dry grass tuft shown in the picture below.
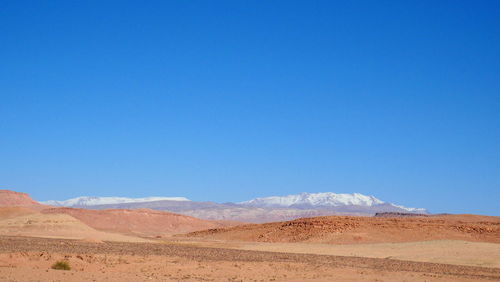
(61, 265)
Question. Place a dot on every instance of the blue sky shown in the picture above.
(231, 100)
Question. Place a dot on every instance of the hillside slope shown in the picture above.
(10, 198)
(142, 222)
(56, 226)
(348, 229)
(25, 216)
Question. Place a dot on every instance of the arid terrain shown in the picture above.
(141, 222)
(143, 245)
(20, 215)
(29, 259)
(353, 230)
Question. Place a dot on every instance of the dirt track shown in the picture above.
(71, 248)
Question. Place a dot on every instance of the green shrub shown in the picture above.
(61, 265)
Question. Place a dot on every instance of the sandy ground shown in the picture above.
(107, 225)
(57, 226)
(29, 259)
(441, 251)
(140, 222)
(448, 252)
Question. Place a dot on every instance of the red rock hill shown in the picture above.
(16, 199)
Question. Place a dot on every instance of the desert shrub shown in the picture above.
(61, 265)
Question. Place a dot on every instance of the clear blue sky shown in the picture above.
(231, 100)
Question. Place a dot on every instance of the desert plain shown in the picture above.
(148, 245)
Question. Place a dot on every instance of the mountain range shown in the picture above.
(95, 201)
(257, 210)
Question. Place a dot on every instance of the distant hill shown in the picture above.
(349, 229)
(21, 215)
(82, 202)
(143, 222)
(10, 198)
(257, 210)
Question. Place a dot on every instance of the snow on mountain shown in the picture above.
(315, 199)
(413, 210)
(93, 201)
(327, 199)
(341, 202)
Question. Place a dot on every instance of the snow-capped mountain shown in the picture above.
(413, 210)
(304, 204)
(315, 199)
(327, 199)
(94, 201)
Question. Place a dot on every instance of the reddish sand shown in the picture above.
(30, 259)
(57, 226)
(143, 222)
(348, 229)
(24, 219)
(11, 212)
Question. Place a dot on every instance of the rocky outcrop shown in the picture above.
(349, 229)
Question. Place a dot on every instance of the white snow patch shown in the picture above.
(316, 199)
(413, 210)
(326, 199)
(94, 201)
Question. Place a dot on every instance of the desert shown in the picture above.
(230, 140)
(144, 245)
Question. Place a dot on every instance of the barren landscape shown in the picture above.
(142, 244)
(249, 141)
(29, 259)
(353, 230)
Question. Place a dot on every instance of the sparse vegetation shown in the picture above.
(61, 265)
